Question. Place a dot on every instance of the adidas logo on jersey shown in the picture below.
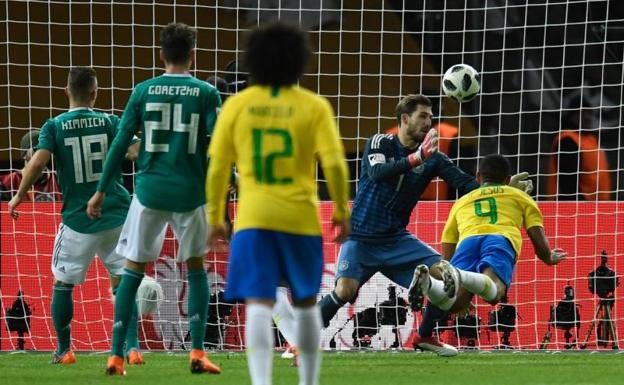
(194, 318)
(62, 269)
(118, 324)
(123, 241)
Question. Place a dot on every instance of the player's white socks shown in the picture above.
(259, 340)
(437, 295)
(308, 339)
(283, 316)
(479, 284)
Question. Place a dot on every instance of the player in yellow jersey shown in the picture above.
(275, 131)
(482, 240)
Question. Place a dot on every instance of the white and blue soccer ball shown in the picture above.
(461, 83)
(149, 296)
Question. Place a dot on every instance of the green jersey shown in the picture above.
(175, 114)
(79, 140)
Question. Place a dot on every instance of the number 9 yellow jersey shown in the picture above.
(275, 136)
(492, 209)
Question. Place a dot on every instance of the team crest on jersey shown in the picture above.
(344, 265)
(374, 159)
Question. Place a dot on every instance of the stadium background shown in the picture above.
(534, 61)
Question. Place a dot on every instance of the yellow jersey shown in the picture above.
(275, 136)
(492, 209)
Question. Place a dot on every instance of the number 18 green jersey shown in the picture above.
(79, 140)
(174, 115)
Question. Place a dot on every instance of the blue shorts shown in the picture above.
(261, 259)
(396, 259)
(478, 252)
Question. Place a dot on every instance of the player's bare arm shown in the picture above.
(30, 174)
(542, 247)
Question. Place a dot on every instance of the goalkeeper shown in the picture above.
(81, 130)
(482, 240)
(396, 169)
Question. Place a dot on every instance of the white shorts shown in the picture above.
(74, 252)
(143, 233)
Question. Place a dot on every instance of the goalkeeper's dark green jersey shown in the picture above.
(79, 140)
(174, 115)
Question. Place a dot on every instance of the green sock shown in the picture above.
(132, 335)
(197, 306)
(125, 302)
(62, 314)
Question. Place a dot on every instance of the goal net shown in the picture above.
(551, 101)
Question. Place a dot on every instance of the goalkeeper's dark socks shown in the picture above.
(197, 306)
(330, 304)
(62, 314)
(431, 316)
(132, 334)
(125, 302)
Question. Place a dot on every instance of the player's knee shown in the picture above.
(346, 289)
(58, 283)
(435, 271)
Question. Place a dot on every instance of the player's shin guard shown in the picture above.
(308, 341)
(197, 306)
(330, 304)
(62, 314)
(283, 316)
(125, 302)
(259, 340)
(479, 284)
(431, 315)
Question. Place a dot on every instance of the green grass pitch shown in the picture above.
(338, 369)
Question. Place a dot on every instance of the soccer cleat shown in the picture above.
(451, 277)
(115, 366)
(419, 287)
(430, 344)
(135, 357)
(291, 353)
(201, 364)
(66, 358)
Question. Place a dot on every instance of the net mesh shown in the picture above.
(551, 77)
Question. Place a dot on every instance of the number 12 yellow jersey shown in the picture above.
(275, 137)
(492, 209)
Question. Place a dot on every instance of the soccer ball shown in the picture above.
(149, 296)
(461, 82)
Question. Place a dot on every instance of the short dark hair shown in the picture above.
(176, 41)
(81, 81)
(276, 54)
(494, 168)
(409, 104)
(221, 85)
(236, 76)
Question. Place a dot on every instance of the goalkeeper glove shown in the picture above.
(521, 182)
(426, 149)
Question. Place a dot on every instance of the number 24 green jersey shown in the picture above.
(174, 114)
